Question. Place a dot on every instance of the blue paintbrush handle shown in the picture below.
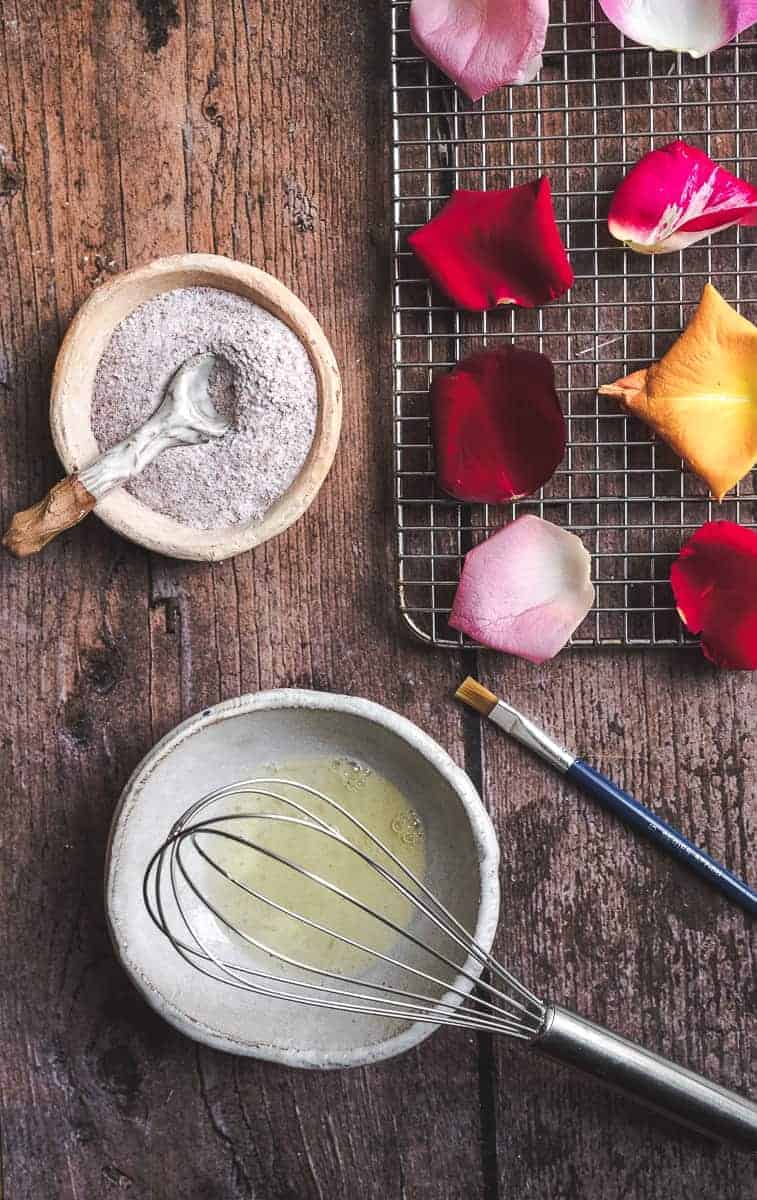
(645, 821)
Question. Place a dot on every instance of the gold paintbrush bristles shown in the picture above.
(476, 696)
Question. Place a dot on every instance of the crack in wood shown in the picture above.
(489, 1107)
(115, 1176)
(302, 210)
(11, 174)
(487, 1067)
(240, 1176)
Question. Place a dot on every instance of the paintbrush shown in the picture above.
(602, 789)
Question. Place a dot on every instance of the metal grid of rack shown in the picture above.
(597, 106)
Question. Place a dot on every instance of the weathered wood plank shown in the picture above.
(144, 129)
(253, 130)
(599, 920)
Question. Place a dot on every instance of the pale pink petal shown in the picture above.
(482, 44)
(525, 590)
(694, 27)
(676, 195)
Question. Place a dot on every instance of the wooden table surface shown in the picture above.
(258, 129)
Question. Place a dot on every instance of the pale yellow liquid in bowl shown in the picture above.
(379, 806)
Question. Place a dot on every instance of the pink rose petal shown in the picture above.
(675, 196)
(525, 590)
(694, 27)
(482, 44)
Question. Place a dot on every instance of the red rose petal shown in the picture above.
(499, 431)
(714, 582)
(499, 247)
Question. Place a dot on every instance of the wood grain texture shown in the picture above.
(601, 921)
(258, 130)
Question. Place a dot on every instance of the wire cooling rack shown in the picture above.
(597, 106)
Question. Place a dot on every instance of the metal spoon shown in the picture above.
(185, 417)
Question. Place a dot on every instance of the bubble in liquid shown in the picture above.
(408, 828)
(353, 774)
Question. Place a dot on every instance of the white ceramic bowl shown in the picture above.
(74, 378)
(233, 741)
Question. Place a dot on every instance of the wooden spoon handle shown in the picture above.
(64, 506)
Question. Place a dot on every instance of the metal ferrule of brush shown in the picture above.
(531, 735)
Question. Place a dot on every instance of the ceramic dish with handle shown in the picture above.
(73, 384)
(231, 742)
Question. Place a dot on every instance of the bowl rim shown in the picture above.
(482, 829)
(75, 443)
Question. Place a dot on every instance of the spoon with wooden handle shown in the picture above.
(186, 417)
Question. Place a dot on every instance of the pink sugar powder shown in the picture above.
(265, 383)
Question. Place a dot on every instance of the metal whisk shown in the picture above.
(435, 964)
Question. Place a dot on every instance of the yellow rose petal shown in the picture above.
(701, 398)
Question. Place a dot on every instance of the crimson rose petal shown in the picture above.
(499, 431)
(499, 247)
(714, 582)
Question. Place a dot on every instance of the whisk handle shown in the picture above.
(713, 1111)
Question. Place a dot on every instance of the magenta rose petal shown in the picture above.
(675, 196)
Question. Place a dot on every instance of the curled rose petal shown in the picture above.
(714, 581)
(694, 27)
(524, 590)
(499, 431)
(675, 196)
(482, 46)
(701, 398)
(498, 247)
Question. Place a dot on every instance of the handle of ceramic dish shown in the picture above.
(64, 506)
(674, 1091)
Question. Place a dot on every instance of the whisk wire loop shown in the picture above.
(488, 1007)
(234, 976)
(256, 787)
(342, 938)
(493, 1019)
(468, 942)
